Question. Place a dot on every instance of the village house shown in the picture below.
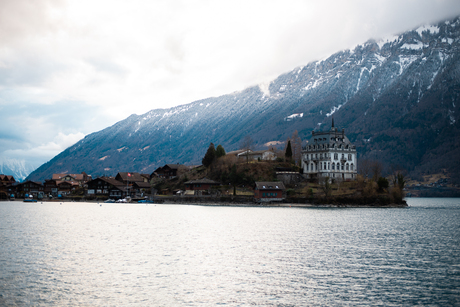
(27, 188)
(6, 183)
(81, 179)
(130, 177)
(106, 187)
(50, 187)
(260, 155)
(169, 171)
(268, 191)
(200, 186)
(330, 154)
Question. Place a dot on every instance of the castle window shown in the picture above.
(351, 166)
(349, 156)
(320, 156)
(328, 165)
(336, 156)
(343, 157)
(333, 166)
(347, 167)
(342, 166)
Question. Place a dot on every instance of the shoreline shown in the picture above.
(216, 203)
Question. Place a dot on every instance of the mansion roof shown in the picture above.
(329, 139)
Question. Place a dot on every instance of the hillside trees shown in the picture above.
(288, 153)
(220, 151)
(210, 156)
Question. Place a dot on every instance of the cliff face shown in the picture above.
(397, 98)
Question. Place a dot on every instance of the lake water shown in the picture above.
(84, 254)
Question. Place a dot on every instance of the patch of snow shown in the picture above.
(380, 58)
(265, 89)
(417, 46)
(201, 104)
(120, 149)
(451, 117)
(405, 61)
(427, 28)
(447, 40)
(282, 88)
(333, 110)
(103, 158)
(292, 116)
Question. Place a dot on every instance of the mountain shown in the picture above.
(398, 100)
(19, 169)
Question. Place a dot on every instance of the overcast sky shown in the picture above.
(70, 68)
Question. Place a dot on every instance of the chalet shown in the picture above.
(130, 177)
(269, 191)
(6, 181)
(30, 188)
(141, 188)
(66, 187)
(81, 179)
(169, 171)
(330, 154)
(200, 186)
(50, 187)
(106, 187)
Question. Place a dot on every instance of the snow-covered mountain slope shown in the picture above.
(19, 169)
(397, 98)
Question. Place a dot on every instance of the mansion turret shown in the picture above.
(330, 154)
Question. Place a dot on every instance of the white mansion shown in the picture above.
(329, 154)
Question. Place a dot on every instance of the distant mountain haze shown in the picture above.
(397, 99)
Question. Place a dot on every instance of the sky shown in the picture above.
(70, 68)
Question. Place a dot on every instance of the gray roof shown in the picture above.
(269, 185)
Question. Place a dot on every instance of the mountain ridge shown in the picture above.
(392, 96)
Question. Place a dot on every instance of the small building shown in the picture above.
(6, 181)
(262, 155)
(169, 171)
(129, 177)
(28, 188)
(330, 154)
(81, 179)
(268, 191)
(107, 187)
(200, 186)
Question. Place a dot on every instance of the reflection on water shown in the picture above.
(130, 254)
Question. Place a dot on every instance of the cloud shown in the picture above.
(37, 154)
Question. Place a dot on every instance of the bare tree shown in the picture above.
(364, 167)
(376, 168)
(247, 144)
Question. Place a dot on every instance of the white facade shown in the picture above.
(330, 154)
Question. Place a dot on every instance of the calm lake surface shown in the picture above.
(84, 254)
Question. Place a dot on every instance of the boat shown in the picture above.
(30, 200)
(147, 201)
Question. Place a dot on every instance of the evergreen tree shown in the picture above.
(210, 156)
(288, 153)
(220, 151)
